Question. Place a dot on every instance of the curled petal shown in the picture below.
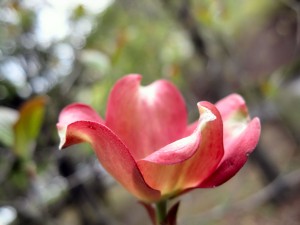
(227, 106)
(78, 111)
(231, 104)
(183, 164)
(111, 152)
(146, 118)
(240, 138)
(236, 155)
(190, 128)
(72, 113)
(235, 117)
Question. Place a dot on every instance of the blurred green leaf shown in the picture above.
(28, 126)
(8, 117)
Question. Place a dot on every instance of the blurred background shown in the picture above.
(55, 52)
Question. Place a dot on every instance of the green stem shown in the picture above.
(161, 212)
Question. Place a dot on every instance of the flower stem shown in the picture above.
(161, 212)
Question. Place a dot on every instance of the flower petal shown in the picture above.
(235, 116)
(183, 164)
(111, 152)
(78, 111)
(236, 155)
(240, 138)
(231, 103)
(146, 118)
(72, 113)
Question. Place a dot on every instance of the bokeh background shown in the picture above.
(55, 52)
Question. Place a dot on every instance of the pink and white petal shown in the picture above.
(187, 162)
(78, 111)
(236, 155)
(73, 113)
(231, 104)
(235, 117)
(112, 154)
(146, 118)
(240, 138)
(191, 128)
(226, 106)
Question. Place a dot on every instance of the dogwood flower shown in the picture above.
(147, 145)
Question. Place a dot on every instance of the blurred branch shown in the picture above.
(268, 168)
(184, 16)
(270, 172)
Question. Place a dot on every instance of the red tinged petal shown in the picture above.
(111, 152)
(185, 163)
(231, 103)
(72, 113)
(234, 114)
(240, 138)
(78, 111)
(190, 128)
(146, 118)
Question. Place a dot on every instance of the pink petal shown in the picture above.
(73, 113)
(226, 106)
(78, 111)
(111, 152)
(146, 118)
(230, 104)
(183, 164)
(190, 128)
(240, 138)
(236, 155)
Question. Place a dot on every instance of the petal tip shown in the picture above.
(132, 77)
(205, 111)
(62, 135)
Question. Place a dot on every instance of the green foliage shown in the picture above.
(20, 129)
(133, 41)
(28, 126)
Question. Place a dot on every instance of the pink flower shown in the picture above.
(146, 144)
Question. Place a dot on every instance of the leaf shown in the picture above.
(172, 215)
(8, 118)
(28, 126)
